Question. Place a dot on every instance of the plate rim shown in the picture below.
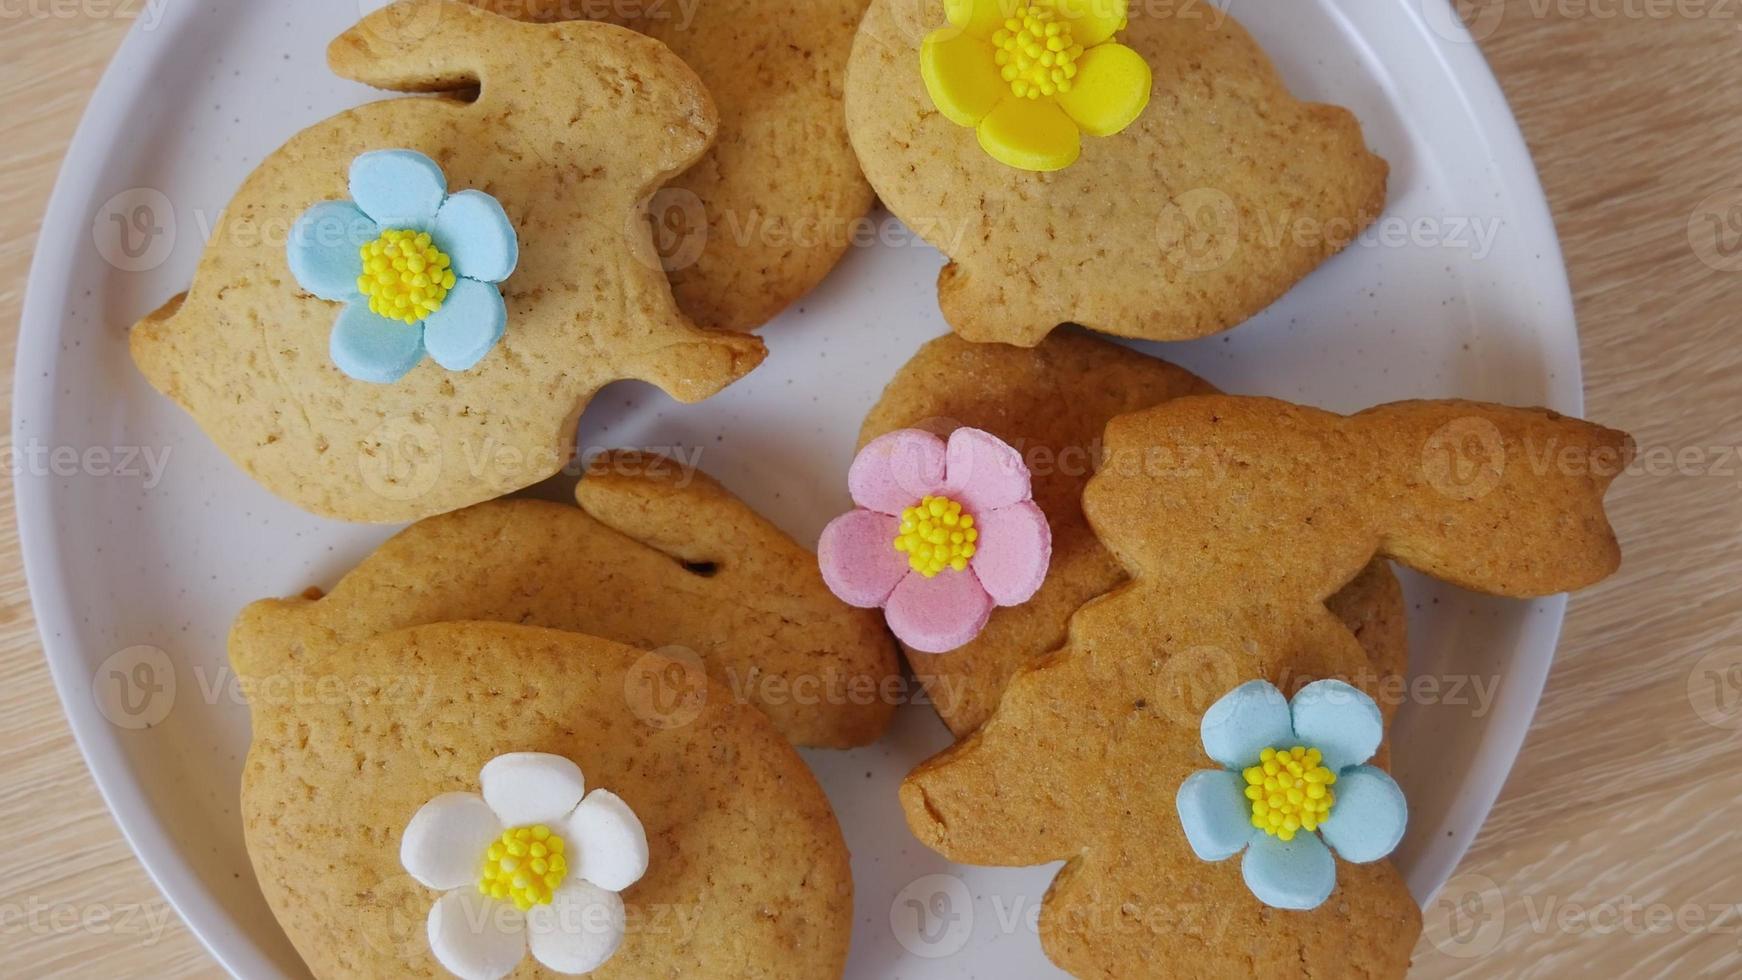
(65, 222)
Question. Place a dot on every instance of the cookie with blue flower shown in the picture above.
(1208, 750)
(1119, 165)
(483, 800)
(405, 308)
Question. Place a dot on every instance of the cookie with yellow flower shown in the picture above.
(1120, 166)
(405, 308)
(1015, 394)
(658, 556)
(761, 219)
(484, 800)
(1210, 739)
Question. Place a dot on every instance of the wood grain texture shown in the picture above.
(1607, 851)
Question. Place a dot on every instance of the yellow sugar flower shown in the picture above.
(1032, 76)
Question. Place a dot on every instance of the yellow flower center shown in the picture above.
(1036, 53)
(1289, 791)
(524, 866)
(404, 276)
(936, 535)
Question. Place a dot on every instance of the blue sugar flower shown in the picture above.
(1293, 774)
(416, 267)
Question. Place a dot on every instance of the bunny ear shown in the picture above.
(417, 46)
(1501, 500)
(669, 505)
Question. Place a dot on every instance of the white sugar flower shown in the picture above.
(536, 861)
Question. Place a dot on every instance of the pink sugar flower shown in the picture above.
(943, 533)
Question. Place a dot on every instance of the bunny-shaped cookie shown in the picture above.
(535, 160)
(658, 556)
(1237, 518)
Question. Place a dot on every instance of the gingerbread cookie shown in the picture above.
(481, 800)
(1182, 188)
(1162, 739)
(461, 275)
(762, 218)
(657, 556)
(1019, 395)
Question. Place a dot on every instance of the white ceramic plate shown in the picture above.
(141, 541)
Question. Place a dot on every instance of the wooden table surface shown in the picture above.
(1608, 850)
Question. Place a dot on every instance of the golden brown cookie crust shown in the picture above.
(748, 875)
(1052, 402)
(1237, 518)
(573, 127)
(763, 217)
(1220, 197)
(657, 556)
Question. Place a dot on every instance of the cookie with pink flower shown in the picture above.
(944, 531)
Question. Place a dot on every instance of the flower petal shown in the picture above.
(1246, 721)
(1340, 721)
(1013, 552)
(470, 322)
(610, 847)
(476, 938)
(373, 348)
(325, 248)
(398, 188)
(1031, 134)
(858, 558)
(978, 18)
(1110, 91)
(1093, 21)
(475, 232)
(983, 472)
(579, 930)
(526, 788)
(1297, 874)
(1214, 812)
(961, 75)
(446, 838)
(894, 470)
(1367, 821)
(937, 615)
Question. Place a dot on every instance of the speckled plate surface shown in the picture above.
(141, 541)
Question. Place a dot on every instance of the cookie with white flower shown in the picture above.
(1130, 167)
(658, 555)
(1205, 751)
(1013, 393)
(482, 800)
(405, 308)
